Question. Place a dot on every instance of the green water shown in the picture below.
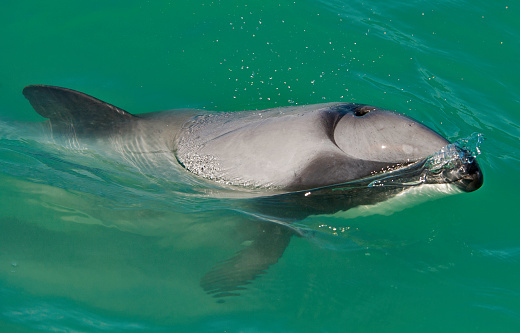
(84, 249)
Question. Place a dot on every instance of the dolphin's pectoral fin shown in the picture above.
(66, 107)
(230, 276)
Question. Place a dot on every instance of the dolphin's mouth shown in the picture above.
(456, 164)
(472, 180)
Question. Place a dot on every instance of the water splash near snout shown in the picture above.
(443, 166)
(462, 151)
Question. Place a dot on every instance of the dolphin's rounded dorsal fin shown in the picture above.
(72, 108)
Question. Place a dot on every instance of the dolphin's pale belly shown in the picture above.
(407, 198)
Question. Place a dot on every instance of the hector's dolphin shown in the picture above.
(288, 162)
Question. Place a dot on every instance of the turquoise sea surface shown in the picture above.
(88, 244)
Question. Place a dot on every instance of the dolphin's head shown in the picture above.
(374, 142)
(374, 134)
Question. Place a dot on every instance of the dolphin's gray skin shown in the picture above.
(291, 162)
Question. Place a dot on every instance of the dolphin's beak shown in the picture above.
(471, 178)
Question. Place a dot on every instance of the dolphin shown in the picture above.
(282, 164)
